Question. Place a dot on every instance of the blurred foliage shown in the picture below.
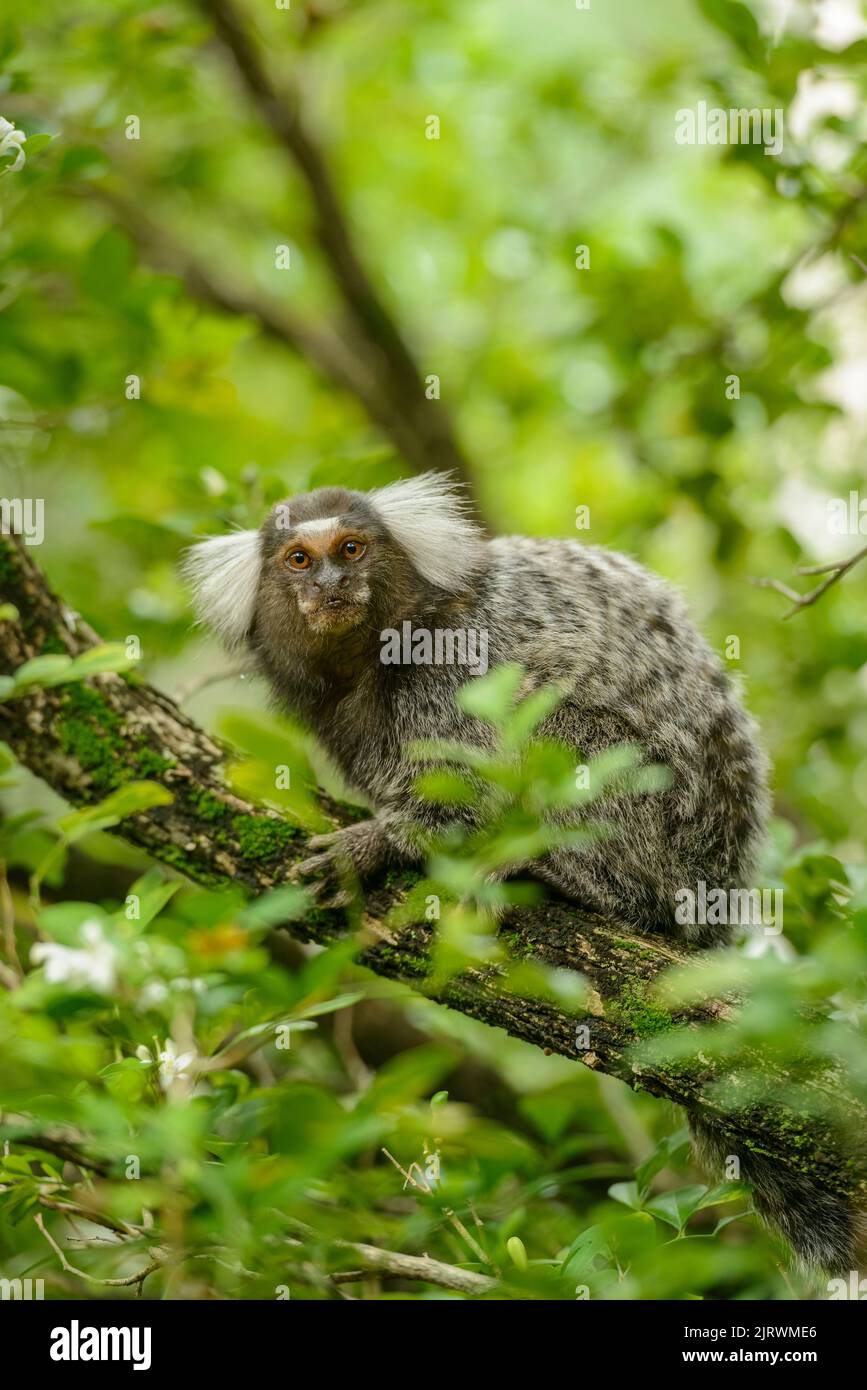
(156, 1037)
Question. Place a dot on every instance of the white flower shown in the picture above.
(177, 1070)
(174, 1065)
(11, 139)
(94, 967)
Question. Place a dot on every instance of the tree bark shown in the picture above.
(87, 739)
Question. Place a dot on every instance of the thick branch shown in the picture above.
(86, 739)
(339, 358)
(433, 442)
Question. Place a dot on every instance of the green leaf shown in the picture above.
(490, 697)
(277, 906)
(126, 801)
(108, 656)
(584, 1251)
(662, 1155)
(675, 1208)
(627, 1193)
(35, 143)
(42, 670)
(517, 1253)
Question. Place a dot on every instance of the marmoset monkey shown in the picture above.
(312, 595)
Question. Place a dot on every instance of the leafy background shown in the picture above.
(603, 387)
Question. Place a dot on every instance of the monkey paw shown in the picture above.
(345, 857)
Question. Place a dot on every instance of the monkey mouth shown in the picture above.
(333, 613)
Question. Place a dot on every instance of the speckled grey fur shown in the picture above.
(632, 668)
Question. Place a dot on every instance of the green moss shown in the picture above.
(259, 838)
(151, 764)
(263, 837)
(628, 943)
(8, 567)
(91, 733)
(208, 808)
(517, 943)
(190, 866)
(643, 1015)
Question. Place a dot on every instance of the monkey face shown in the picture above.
(334, 560)
(325, 567)
(321, 556)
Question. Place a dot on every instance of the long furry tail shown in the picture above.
(823, 1228)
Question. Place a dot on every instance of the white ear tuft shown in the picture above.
(427, 516)
(224, 572)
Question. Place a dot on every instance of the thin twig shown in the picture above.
(470, 1240)
(63, 1149)
(123, 1283)
(420, 1187)
(835, 571)
(196, 684)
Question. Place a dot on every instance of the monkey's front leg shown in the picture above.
(356, 851)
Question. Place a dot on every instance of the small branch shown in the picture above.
(465, 1235)
(196, 684)
(98, 1218)
(835, 571)
(422, 1267)
(124, 1283)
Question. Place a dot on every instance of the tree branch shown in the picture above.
(87, 739)
(834, 569)
(398, 1266)
(433, 442)
(338, 357)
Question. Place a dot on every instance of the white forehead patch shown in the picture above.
(427, 516)
(224, 572)
(313, 528)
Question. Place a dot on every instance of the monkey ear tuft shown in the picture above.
(224, 572)
(427, 516)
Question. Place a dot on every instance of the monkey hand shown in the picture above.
(345, 857)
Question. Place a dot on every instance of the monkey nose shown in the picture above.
(329, 588)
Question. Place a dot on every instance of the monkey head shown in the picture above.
(329, 562)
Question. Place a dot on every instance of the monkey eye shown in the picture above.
(298, 560)
(353, 549)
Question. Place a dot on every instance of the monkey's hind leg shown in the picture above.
(581, 880)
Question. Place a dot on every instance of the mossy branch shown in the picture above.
(86, 740)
